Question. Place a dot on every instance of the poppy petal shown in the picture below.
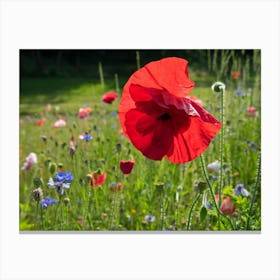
(149, 135)
(169, 73)
(193, 141)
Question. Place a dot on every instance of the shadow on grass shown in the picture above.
(35, 93)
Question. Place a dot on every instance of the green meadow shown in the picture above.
(156, 195)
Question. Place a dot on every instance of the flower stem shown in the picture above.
(257, 182)
(221, 150)
(212, 193)
(190, 213)
(117, 83)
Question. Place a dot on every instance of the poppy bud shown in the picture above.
(66, 200)
(104, 216)
(47, 161)
(218, 87)
(38, 182)
(159, 186)
(52, 167)
(119, 147)
(126, 166)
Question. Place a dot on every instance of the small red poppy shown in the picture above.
(158, 116)
(84, 113)
(226, 206)
(109, 97)
(235, 74)
(126, 166)
(97, 179)
(251, 111)
(40, 122)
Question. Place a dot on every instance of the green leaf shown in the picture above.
(203, 213)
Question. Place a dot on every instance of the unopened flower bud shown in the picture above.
(66, 200)
(52, 167)
(218, 87)
(38, 182)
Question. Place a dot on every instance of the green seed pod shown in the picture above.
(38, 182)
(52, 167)
(66, 200)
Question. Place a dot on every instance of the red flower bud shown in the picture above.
(126, 166)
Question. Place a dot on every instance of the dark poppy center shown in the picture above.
(164, 117)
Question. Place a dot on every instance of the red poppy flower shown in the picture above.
(226, 206)
(97, 179)
(109, 97)
(40, 122)
(126, 166)
(235, 74)
(84, 113)
(159, 118)
(251, 111)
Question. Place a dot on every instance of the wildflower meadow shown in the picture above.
(140, 140)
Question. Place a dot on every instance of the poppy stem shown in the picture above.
(212, 193)
(257, 182)
(221, 178)
(191, 210)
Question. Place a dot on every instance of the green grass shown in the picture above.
(100, 209)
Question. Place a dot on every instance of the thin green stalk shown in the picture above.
(221, 151)
(138, 59)
(117, 83)
(162, 209)
(100, 69)
(212, 193)
(190, 213)
(257, 182)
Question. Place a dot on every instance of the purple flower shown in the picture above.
(208, 205)
(239, 92)
(240, 190)
(47, 201)
(86, 137)
(64, 176)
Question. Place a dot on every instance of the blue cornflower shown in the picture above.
(61, 181)
(239, 92)
(64, 176)
(208, 205)
(47, 201)
(240, 190)
(86, 137)
(114, 113)
(150, 218)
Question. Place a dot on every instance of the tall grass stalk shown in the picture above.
(255, 191)
(101, 76)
